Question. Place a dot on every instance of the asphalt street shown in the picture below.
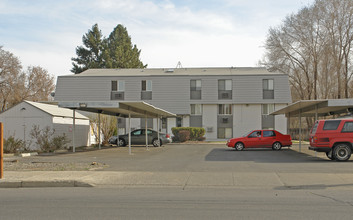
(171, 203)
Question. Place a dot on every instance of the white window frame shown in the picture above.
(148, 85)
(196, 109)
(121, 86)
(228, 84)
(226, 109)
(267, 109)
(269, 83)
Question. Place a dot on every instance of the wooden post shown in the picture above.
(1, 150)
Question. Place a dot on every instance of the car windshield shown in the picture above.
(245, 135)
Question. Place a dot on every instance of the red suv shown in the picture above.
(334, 136)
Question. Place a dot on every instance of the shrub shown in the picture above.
(45, 139)
(195, 133)
(60, 142)
(13, 145)
(184, 135)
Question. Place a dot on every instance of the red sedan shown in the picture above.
(261, 139)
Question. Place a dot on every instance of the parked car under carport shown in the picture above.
(138, 137)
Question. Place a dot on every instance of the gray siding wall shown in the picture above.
(248, 89)
(172, 93)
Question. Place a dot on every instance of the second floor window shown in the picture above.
(268, 89)
(195, 89)
(147, 85)
(195, 85)
(224, 89)
(118, 88)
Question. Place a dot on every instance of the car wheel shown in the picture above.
(121, 142)
(342, 152)
(156, 143)
(329, 155)
(276, 146)
(239, 146)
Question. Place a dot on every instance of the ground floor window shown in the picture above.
(179, 122)
(224, 109)
(164, 123)
(268, 121)
(224, 133)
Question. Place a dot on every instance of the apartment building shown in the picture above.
(227, 102)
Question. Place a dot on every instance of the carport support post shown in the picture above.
(99, 131)
(73, 130)
(158, 121)
(129, 132)
(146, 132)
(300, 130)
(316, 114)
(117, 131)
(288, 124)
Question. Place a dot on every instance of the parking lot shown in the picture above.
(191, 158)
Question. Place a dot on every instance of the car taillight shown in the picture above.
(167, 136)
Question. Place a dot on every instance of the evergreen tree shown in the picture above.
(115, 52)
(91, 55)
(122, 54)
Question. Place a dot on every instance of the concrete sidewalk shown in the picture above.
(16, 179)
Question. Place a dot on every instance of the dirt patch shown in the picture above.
(17, 165)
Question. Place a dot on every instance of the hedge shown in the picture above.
(195, 133)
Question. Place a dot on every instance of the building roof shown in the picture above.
(56, 111)
(323, 107)
(177, 71)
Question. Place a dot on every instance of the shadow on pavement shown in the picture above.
(262, 156)
(312, 187)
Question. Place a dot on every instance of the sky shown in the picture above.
(209, 33)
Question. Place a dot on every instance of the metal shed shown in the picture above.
(20, 119)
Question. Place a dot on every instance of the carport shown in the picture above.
(315, 108)
(119, 109)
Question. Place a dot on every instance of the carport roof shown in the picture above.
(117, 108)
(322, 107)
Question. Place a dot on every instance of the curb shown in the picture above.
(35, 184)
(28, 154)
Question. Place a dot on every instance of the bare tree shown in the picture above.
(39, 84)
(339, 26)
(10, 77)
(34, 84)
(314, 46)
(107, 126)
